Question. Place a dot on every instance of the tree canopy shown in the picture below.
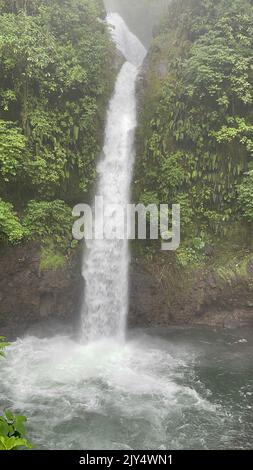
(55, 79)
(195, 140)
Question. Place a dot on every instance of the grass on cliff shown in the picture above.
(51, 260)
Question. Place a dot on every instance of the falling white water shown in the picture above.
(105, 264)
(158, 390)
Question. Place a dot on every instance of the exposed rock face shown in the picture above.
(29, 297)
(199, 297)
(148, 305)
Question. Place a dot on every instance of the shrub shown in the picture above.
(245, 196)
(49, 220)
(11, 229)
(50, 259)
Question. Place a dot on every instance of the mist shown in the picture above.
(140, 16)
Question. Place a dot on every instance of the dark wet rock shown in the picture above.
(29, 297)
(39, 302)
(147, 301)
(198, 297)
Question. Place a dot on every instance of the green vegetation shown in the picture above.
(48, 220)
(3, 345)
(10, 227)
(245, 196)
(195, 140)
(51, 259)
(12, 428)
(55, 78)
(12, 432)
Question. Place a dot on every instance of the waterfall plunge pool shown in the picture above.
(179, 388)
(170, 389)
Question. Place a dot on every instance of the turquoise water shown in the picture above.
(161, 389)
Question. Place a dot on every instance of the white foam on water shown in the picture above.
(103, 392)
(59, 381)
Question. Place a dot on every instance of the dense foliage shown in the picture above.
(54, 83)
(195, 142)
(12, 432)
(10, 227)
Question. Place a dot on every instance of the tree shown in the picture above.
(55, 79)
(196, 128)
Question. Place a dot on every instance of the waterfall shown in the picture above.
(106, 261)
